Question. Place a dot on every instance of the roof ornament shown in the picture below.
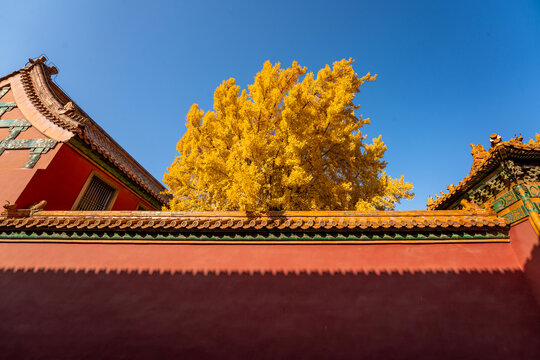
(431, 202)
(9, 206)
(495, 139)
(469, 206)
(72, 112)
(479, 154)
(52, 70)
(67, 107)
(39, 60)
(12, 211)
(39, 206)
(517, 139)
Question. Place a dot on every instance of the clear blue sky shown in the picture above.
(450, 72)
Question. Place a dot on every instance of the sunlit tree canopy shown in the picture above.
(291, 141)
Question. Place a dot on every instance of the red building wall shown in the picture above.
(526, 245)
(61, 182)
(58, 176)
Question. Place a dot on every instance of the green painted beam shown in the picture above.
(255, 237)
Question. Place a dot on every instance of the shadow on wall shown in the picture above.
(93, 314)
(532, 272)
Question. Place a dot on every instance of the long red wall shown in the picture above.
(466, 301)
(61, 182)
(526, 245)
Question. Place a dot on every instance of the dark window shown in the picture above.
(97, 196)
(141, 207)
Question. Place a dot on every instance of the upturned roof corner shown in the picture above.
(513, 161)
(56, 115)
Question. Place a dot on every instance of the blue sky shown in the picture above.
(450, 72)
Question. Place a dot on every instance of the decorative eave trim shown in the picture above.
(209, 239)
(497, 156)
(34, 111)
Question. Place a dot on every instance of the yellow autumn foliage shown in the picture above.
(287, 143)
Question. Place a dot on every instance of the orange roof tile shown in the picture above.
(493, 158)
(70, 121)
(241, 221)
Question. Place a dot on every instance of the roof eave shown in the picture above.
(56, 106)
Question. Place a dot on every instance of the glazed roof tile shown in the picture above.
(144, 221)
(61, 111)
(508, 150)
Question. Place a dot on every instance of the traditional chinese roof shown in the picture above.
(274, 227)
(53, 113)
(484, 163)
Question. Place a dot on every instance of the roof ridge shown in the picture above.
(496, 153)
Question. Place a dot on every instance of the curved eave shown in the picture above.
(53, 113)
(509, 150)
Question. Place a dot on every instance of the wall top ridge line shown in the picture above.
(149, 221)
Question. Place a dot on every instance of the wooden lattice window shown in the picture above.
(141, 207)
(97, 194)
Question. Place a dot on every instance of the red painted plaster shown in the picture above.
(13, 183)
(524, 240)
(64, 178)
(526, 245)
(251, 258)
(265, 302)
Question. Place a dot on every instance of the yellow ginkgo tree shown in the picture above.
(292, 141)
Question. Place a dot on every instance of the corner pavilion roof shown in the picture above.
(489, 161)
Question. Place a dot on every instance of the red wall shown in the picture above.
(61, 182)
(467, 301)
(526, 245)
